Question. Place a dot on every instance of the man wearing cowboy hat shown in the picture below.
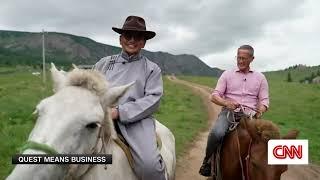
(133, 115)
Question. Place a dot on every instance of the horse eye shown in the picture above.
(92, 125)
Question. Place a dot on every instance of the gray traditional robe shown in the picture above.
(136, 108)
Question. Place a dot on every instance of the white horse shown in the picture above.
(77, 120)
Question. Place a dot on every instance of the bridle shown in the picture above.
(72, 167)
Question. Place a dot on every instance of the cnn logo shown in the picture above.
(291, 151)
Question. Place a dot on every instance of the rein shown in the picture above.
(248, 159)
(245, 175)
(234, 124)
(72, 167)
(240, 160)
(253, 109)
(101, 137)
(39, 147)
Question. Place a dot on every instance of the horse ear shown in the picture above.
(292, 134)
(252, 129)
(114, 93)
(59, 78)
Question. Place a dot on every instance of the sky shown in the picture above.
(282, 32)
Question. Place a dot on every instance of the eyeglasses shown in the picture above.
(239, 58)
(135, 35)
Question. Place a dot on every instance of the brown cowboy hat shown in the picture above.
(137, 24)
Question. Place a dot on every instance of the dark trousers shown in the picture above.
(218, 131)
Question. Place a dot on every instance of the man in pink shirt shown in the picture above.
(240, 88)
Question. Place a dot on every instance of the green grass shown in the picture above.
(292, 105)
(295, 105)
(182, 112)
(20, 91)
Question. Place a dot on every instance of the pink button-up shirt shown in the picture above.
(247, 89)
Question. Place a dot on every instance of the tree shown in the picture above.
(289, 79)
(312, 76)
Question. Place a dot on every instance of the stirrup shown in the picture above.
(205, 169)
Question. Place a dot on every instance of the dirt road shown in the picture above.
(188, 165)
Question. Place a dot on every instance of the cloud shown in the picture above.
(211, 30)
(281, 44)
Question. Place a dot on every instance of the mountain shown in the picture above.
(64, 49)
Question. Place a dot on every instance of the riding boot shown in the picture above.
(205, 169)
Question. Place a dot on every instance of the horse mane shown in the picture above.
(96, 83)
(91, 80)
(263, 129)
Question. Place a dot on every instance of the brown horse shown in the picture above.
(244, 152)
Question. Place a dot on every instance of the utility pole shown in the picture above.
(43, 58)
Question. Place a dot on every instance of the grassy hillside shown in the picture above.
(20, 91)
(297, 73)
(292, 105)
(25, 48)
